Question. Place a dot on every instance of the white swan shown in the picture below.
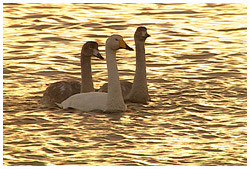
(60, 91)
(137, 91)
(108, 102)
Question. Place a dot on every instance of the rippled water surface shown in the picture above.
(196, 69)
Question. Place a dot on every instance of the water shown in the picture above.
(196, 69)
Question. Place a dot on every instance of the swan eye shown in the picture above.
(116, 39)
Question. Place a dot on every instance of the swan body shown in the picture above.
(108, 102)
(92, 101)
(125, 87)
(137, 91)
(60, 91)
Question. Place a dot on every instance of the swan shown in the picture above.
(60, 91)
(100, 101)
(137, 91)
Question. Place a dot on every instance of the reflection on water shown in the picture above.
(196, 69)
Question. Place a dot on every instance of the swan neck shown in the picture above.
(115, 100)
(140, 73)
(139, 91)
(86, 75)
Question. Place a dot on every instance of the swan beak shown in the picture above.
(97, 54)
(123, 45)
(147, 35)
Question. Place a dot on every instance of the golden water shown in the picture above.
(196, 69)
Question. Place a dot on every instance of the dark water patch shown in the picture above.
(73, 27)
(31, 41)
(37, 20)
(27, 163)
(96, 29)
(13, 18)
(203, 55)
(205, 49)
(192, 109)
(12, 4)
(101, 7)
(237, 54)
(40, 27)
(188, 29)
(8, 71)
(37, 16)
(189, 95)
(65, 131)
(50, 125)
(236, 125)
(69, 149)
(214, 5)
(18, 26)
(197, 118)
(206, 136)
(68, 17)
(45, 6)
(212, 150)
(233, 29)
(171, 32)
(55, 39)
(28, 34)
(227, 42)
(66, 24)
(203, 107)
(214, 125)
(182, 157)
(116, 27)
(74, 162)
(223, 74)
(20, 142)
(92, 25)
(26, 120)
(168, 4)
(48, 150)
(170, 126)
(114, 21)
(170, 12)
(114, 137)
(45, 73)
(146, 9)
(236, 108)
(32, 156)
(39, 130)
(199, 131)
(105, 156)
(96, 36)
(23, 47)
(65, 139)
(55, 18)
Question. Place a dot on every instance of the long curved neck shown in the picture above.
(115, 100)
(139, 91)
(87, 82)
(140, 73)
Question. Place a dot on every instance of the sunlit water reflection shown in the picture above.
(196, 69)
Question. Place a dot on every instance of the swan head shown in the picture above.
(116, 42)
(141, 33)
(89, 49)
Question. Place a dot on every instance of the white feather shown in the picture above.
(86, 101)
